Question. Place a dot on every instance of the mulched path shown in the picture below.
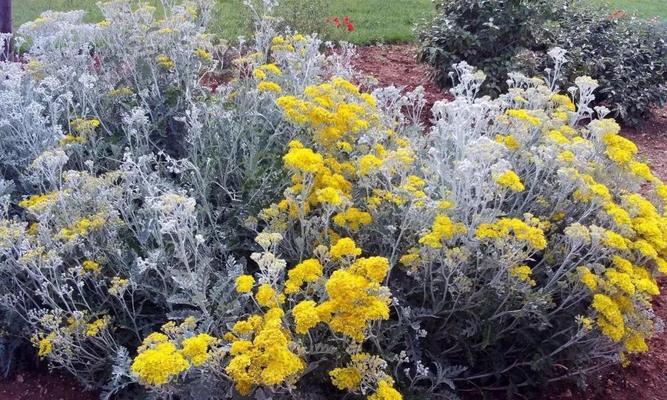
(645, 379)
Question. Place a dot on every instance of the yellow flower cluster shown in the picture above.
(94, 328)
(244, 283)
(264, 71)
(91, 266)
(355, 298)
(369, 370)
(352, 219)
(158, 364)
(323, 175)
(307, 271)
(386, 391)
(39, 202)
(335, 111)
(443, 229)
(165, 62)
(507, 228)
(44, 344)
(524, 274)
(524, 115)
(84, 126)
(510, 180)
(72, 139)
(83, 227)
(344, 247)
(195, 348)
(261, 353)
(160, 360)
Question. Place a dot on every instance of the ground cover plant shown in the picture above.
(183, 220)
(628, 56)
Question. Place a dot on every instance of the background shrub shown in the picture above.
(626, 55)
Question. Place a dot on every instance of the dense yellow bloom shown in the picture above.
(245, 283)
(614, 240)
(195, 348)
(588, 278)
(344, 247)
(509, 141)
(71, 139)
(385, 391)
(305, 272)
(558, 137)
(267, 359)
(118, 286)
(269, 87)
(83, 227)
(509, 179)
(44, 344)
(329, 195)
(641, 170)
(411, 259)
(619, 149)
(203, 54)
(39, 202)
(165, 62)
(523, 273)
(354, 301)
(352, 218)
(524, 116)
(91, 266)
(505, 227)
(369, 164)
(372, 268)
(563, 100)
(661, 190)
(302, 159)
(610, 318)
(94, 328)
(618, 214)
(620, 280)
(305, 316)
(84, 126)
(266, 296)
(443, 229)
(348, 378)
(159, 364)
(635, 343)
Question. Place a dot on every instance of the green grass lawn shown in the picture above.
(375, 20)
(643, 8)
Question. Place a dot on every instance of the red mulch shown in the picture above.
(645, 379)
(396, 65)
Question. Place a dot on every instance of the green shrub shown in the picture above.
(627, 56)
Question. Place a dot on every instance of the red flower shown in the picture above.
(348, 23)
(336, 22)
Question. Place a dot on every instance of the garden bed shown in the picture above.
(396, 65)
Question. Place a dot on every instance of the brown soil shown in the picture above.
(397, 65)
(645, 379)
(43, 386)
